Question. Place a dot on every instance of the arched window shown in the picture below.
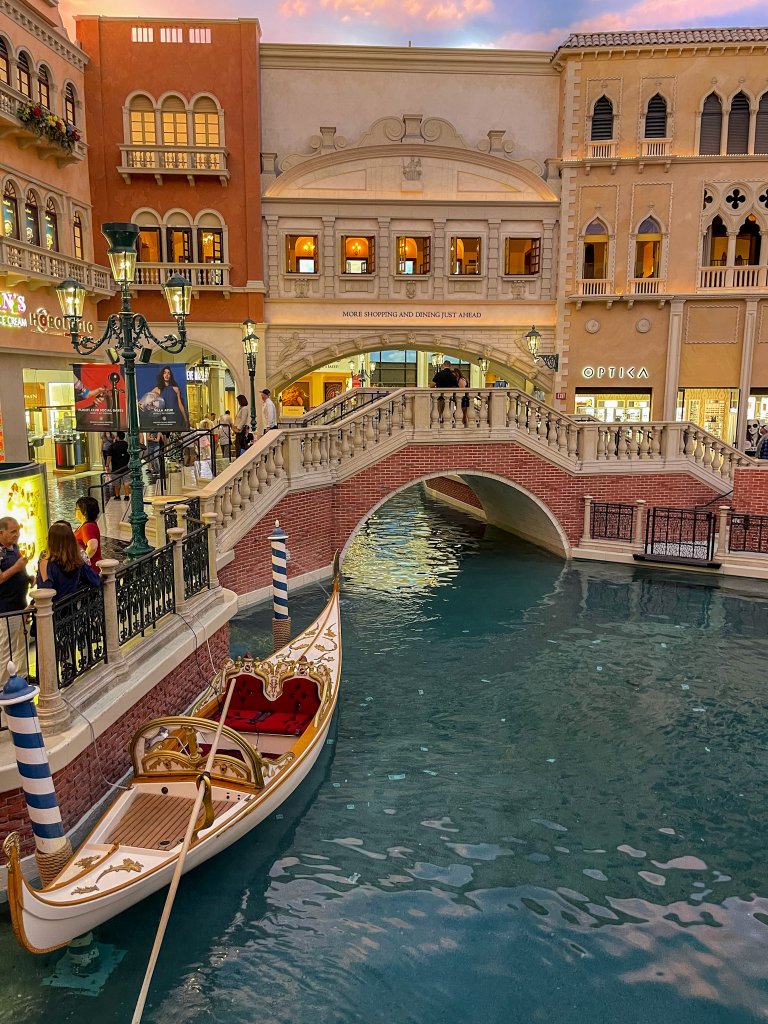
(596, 242)
(5, 63)
(149, 244)
(10, 211)
(43, 87)
(206, 122)
(174, 121)
(648, 249)
(70, 105)
(31, 219)
(738, 125)
(143, 126)
(748, 243)
(51, 227)
(711, 125)
(656, 118)
(77, 238)
(178, 239)
(716, 244)
(761, 125)
(602, 121)
(23, 75)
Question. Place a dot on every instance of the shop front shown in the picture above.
(714, 409)
(613, 405)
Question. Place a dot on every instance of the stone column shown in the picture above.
(586, 534)
(209, 518)
(51, 708)
(108, 568)
(745, 377)
(722, 530)
(638, 540)
(674, 341)
(383, 257)
(730, 259)
(181, 518)
(176, 537)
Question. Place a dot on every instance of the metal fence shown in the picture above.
(79, 633)
(680, 534)
(171, 518)
(195, 560)
(612, 521)
(145, 593)
(748, 533)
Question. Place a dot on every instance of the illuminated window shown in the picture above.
(711, 125)
(596, 243)
(199, 35)
(465, 256)
(51, 227)
(77, 237)
(149, 245)
(179, 245)
(171, 35)
(301, 254)
(206, 123)
(43, 87)
(142, 121)
(656, 118)
(23, 77)
(174, 122)
(748, 243)
(70, 105)
(210, 245)
(31, 220)
(5, 64)
(358, 253)
(716, 244)
(10, 212)
(602, 121)
(648, 249)
(413, 255)
(142, 34)
(522, 256)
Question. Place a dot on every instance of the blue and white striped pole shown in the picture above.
(281, 620)
(52, 848)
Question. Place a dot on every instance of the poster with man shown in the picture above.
(162, 391)
(99, 396)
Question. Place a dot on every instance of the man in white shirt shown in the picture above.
(268, 408)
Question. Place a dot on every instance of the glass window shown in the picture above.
(206, 123)
(23, 77)
(210, 245)
(716, 244)
(43, 87)
(142, 122)
(301, 254)
(179, 245)
(77, 237)
(714, 409)
(51, 227)
(522, 256)
(70, 105)
(174, 121)
(648, 249)
(149, 245)
(358, 254)
(394, 369)
(748, 243)
(465, 255)
(5, 64)
(602, 121)
(31, 220)
(596, 242)
(613, 406)
(10, 212)
(413, 255)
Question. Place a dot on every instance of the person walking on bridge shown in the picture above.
(444, 378)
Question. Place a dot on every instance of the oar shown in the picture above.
(137, 1013)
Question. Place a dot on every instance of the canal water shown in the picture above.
(544, 800)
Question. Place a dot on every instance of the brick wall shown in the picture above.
(457, 490)
(81, 784)
(750, 491)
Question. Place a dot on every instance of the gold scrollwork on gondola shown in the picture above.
(126, 865)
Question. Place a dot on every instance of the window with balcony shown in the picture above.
(465, 256)
(711, 126)
(522, 256)
(301, 254)
(747, 252)
(358, 253)
(602, 121)
(51, 227)
(173, 118)
(178, 243)
(142, 122)
(23, 75)
(5, 63)
(648, 249)
(31, 219)
(738, 125)
(149, 245)
(43, 87)
(77, 238)
(716, 244)
(210, 245)
(596, 252)
(10, 211)
(70, 105)
(413, 254)
(205, 118)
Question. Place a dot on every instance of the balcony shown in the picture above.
(21, 262)
(202, 276)
(646, 285)
(594, 286)
(733, 278)
(26, 138)
(602, 150)
(160, 161)
(656, 147)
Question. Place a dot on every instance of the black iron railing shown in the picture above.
(80, 634)
(680, 534)
(144, 592)
(337, 408)
(748, 533)
(612, 521)
(171, 517)
(194, 549)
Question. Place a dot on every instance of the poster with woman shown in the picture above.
(162, 391)
(99, 396)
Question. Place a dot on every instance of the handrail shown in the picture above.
(343, 404)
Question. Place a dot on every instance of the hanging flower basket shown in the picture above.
(47, 125)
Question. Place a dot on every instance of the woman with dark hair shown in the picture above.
(88, 534)
(170, 392)
(62, 567)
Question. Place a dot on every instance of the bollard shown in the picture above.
(281, 620)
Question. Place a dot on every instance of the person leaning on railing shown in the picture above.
(62, 567)
(14, 585)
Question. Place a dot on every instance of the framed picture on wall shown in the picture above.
(332, 389)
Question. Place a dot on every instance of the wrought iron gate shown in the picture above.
(680, 534)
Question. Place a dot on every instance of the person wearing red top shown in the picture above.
(88, 534)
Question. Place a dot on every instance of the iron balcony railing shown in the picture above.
(194, 549)
(680, 534)
(612, 521)
(79, 634)
(747, 532)
(145, 593)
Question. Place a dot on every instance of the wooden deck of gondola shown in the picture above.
(156, 822)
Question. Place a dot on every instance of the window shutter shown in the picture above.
(656, 118)
(427, 255)
(738, 125)
(535, 255)
(371, 255)
(711, 121)
(761, 126)
(602, 120)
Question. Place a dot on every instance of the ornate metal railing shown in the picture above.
(748, 533)
(194, 550)
(79, 634)
(680, 534)
(336, 409)
(171, 516)
(145, 593)
(612, 521)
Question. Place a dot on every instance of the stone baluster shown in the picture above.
(370, 435)
(602, 441)
(316, 457)
(209, 519)
(182, 511)
(709, 453)
(235, 498)
(638, 538)
(270, 466)
(279, 460)
(562, 435)
(261, 473)
(699, 453)
(345, 448)
(108, 567)
(622, 447)
(551, 434)
(689, 435)
(245, 487)
(644, 442)
(434, 410)
(176, 537)
(253, 477)
(51, 709)
(586, 534)
(655, 450)
(226, 505)
(333, 449)
(632, 443)
(573, 441)
(325, 443)
(218, 503)
(408, 407)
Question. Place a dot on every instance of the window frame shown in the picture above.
(5, 62)
(24, 72)
(44, 86)
(370, 259)
(296, 235)
(31, 219)
(218, 232)
(399, 260)
(70, 105)
(155, 229)
(51, 221)
(536, 249)
(170, 249)
(10, 196)
(78, 237)
(453, 241)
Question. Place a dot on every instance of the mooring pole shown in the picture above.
(281, 620)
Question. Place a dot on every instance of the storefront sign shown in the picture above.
(12, 309)
(410, 314)
(561, 396)
(614, 372)
(45, 322)
(14, 313)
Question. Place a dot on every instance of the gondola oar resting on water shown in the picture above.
(277, 723)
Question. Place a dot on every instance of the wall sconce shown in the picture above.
(533, 340)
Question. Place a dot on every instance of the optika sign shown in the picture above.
(614, 372)
(12, 309)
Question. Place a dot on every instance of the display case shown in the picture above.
(24, 496)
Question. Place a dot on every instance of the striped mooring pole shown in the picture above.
(52, 848)
(281, 620)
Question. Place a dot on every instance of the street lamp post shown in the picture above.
(129, 331)
(483, 363)
(251, 350)
(533, 339)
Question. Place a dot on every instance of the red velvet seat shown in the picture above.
(288, 715)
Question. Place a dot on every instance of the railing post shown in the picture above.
(209, 518)
(108, 568)
(496, 409)
(722, 530)
(160, 538)
(586, 535)
(181, 517)
(51, 708)
(293, 462)
(422, 401)
(638, 539)
(176, 537)
(587, 447)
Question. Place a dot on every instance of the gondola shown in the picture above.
(279, 714)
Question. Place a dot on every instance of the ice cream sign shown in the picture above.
(13, 308)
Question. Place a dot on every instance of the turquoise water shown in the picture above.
(544, 801)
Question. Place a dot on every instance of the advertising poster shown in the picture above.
(162, 391)
(99, 396)
(25, 499)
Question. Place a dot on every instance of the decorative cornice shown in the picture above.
(55, 40)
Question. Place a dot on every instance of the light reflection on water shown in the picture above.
(545, 803)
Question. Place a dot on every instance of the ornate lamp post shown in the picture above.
(251, 350)
(361, 372)
(533, 340)
(483, 362)
(129, 331)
